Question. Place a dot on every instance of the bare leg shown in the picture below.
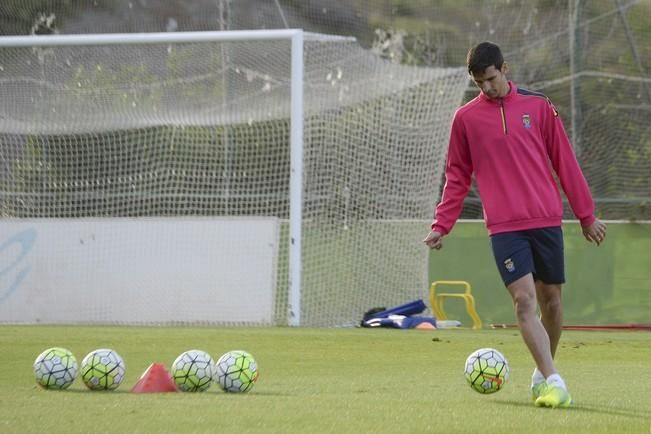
(523, 293)
(551, 311)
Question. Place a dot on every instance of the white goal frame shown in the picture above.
(296, 38)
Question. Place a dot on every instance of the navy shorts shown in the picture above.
(536, 251)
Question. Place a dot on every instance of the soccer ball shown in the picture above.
(236, 371)
(192, 371)
(102, 369)
(487, 370)
(55, 368)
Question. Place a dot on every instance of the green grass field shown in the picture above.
(330, 381)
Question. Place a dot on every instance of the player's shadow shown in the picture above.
(637, 414)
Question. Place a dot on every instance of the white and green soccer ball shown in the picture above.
(55, 368)
(192, 371)
(102, 369)
(236, 371)
(486, 370)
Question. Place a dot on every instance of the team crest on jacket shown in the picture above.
(526, 120)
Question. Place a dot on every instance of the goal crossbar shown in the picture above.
(148, 38)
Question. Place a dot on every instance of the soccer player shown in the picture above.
(510, 139)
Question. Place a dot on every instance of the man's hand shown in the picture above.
(434, 240)
(596, 232)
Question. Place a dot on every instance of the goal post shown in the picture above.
(343, 149)
(296, 182)
(296, 120)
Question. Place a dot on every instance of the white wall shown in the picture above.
(138, 271)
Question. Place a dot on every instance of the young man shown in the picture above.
(510, 138)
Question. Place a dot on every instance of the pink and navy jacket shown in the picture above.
(510, 145)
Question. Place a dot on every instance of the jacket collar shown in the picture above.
(513, 90)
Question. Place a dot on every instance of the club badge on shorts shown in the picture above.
(510, 266)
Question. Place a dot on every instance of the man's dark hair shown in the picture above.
(484, 55)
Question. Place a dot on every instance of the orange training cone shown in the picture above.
(154, 380)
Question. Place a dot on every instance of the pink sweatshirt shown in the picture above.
(510, 145)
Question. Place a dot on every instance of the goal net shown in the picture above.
(180, 130)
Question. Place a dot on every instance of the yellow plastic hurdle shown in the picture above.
(436, 300)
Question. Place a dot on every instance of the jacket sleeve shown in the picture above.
(458, 175)
(567, 168)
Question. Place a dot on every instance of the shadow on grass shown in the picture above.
(578, 407)
(128, 392)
